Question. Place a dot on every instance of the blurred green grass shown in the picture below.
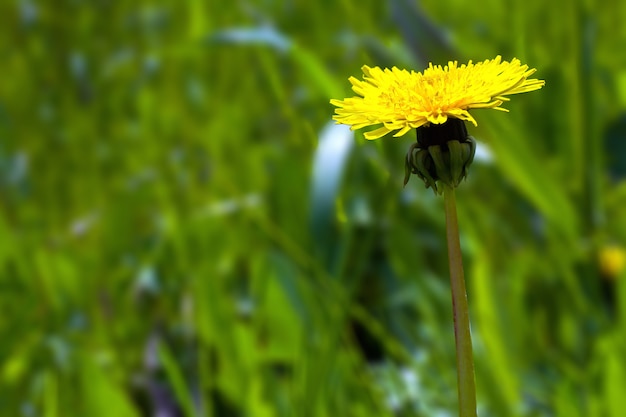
(166, 249)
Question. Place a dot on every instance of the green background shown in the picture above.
(182, 230)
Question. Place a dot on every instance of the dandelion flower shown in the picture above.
(437, 103)
(398, 100)
(612, 261)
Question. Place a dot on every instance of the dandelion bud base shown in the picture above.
(442, 154)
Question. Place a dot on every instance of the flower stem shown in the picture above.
(460, 311)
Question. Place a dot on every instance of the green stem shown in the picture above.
(460, 311)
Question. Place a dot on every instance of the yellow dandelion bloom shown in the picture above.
(612, 261)
(400, 100)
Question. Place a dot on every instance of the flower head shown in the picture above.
(400, 100)
(612, 261)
